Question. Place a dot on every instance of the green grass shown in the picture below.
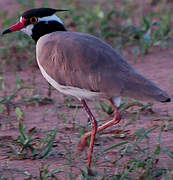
(29, 147)
(116, 26)
(135, 157)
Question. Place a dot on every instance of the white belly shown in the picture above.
(69, 90)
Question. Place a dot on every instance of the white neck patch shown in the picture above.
(28, 29)
(51, 18)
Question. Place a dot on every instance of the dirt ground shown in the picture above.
(157, 66)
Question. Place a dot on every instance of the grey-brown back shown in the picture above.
(86, 62)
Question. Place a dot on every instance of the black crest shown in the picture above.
(40, 12)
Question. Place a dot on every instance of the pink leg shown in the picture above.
(93, 132)
(116, 120)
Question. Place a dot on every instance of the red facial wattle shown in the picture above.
(16, 27)
(19, 25)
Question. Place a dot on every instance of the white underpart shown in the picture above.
(117, 101)
(69, 90)
(74, 91)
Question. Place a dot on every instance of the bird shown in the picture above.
(84, 66)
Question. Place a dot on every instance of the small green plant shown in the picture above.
(106, 108)
(47, 143)
(152, 33)
(45, 173)
(37, 100)
(70, 104)
(8, 101)
(19, 113)
(24, 140)
(39, 149)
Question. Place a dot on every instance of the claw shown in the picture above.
(83, 143)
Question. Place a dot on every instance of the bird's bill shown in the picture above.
(16, 27)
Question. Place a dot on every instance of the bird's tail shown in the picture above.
(161, 95)
(143, 89)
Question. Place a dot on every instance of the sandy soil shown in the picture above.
(157, 66)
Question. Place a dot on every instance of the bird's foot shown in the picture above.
(83, 142)
(90, 172)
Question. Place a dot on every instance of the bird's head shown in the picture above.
(38, 22)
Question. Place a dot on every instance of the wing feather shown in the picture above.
(86, 62)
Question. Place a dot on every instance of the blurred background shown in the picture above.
(141, 25)
(41, 126)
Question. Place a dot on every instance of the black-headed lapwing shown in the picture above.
(84, 66)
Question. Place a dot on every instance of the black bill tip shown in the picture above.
(167, 100)
(6, 31)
